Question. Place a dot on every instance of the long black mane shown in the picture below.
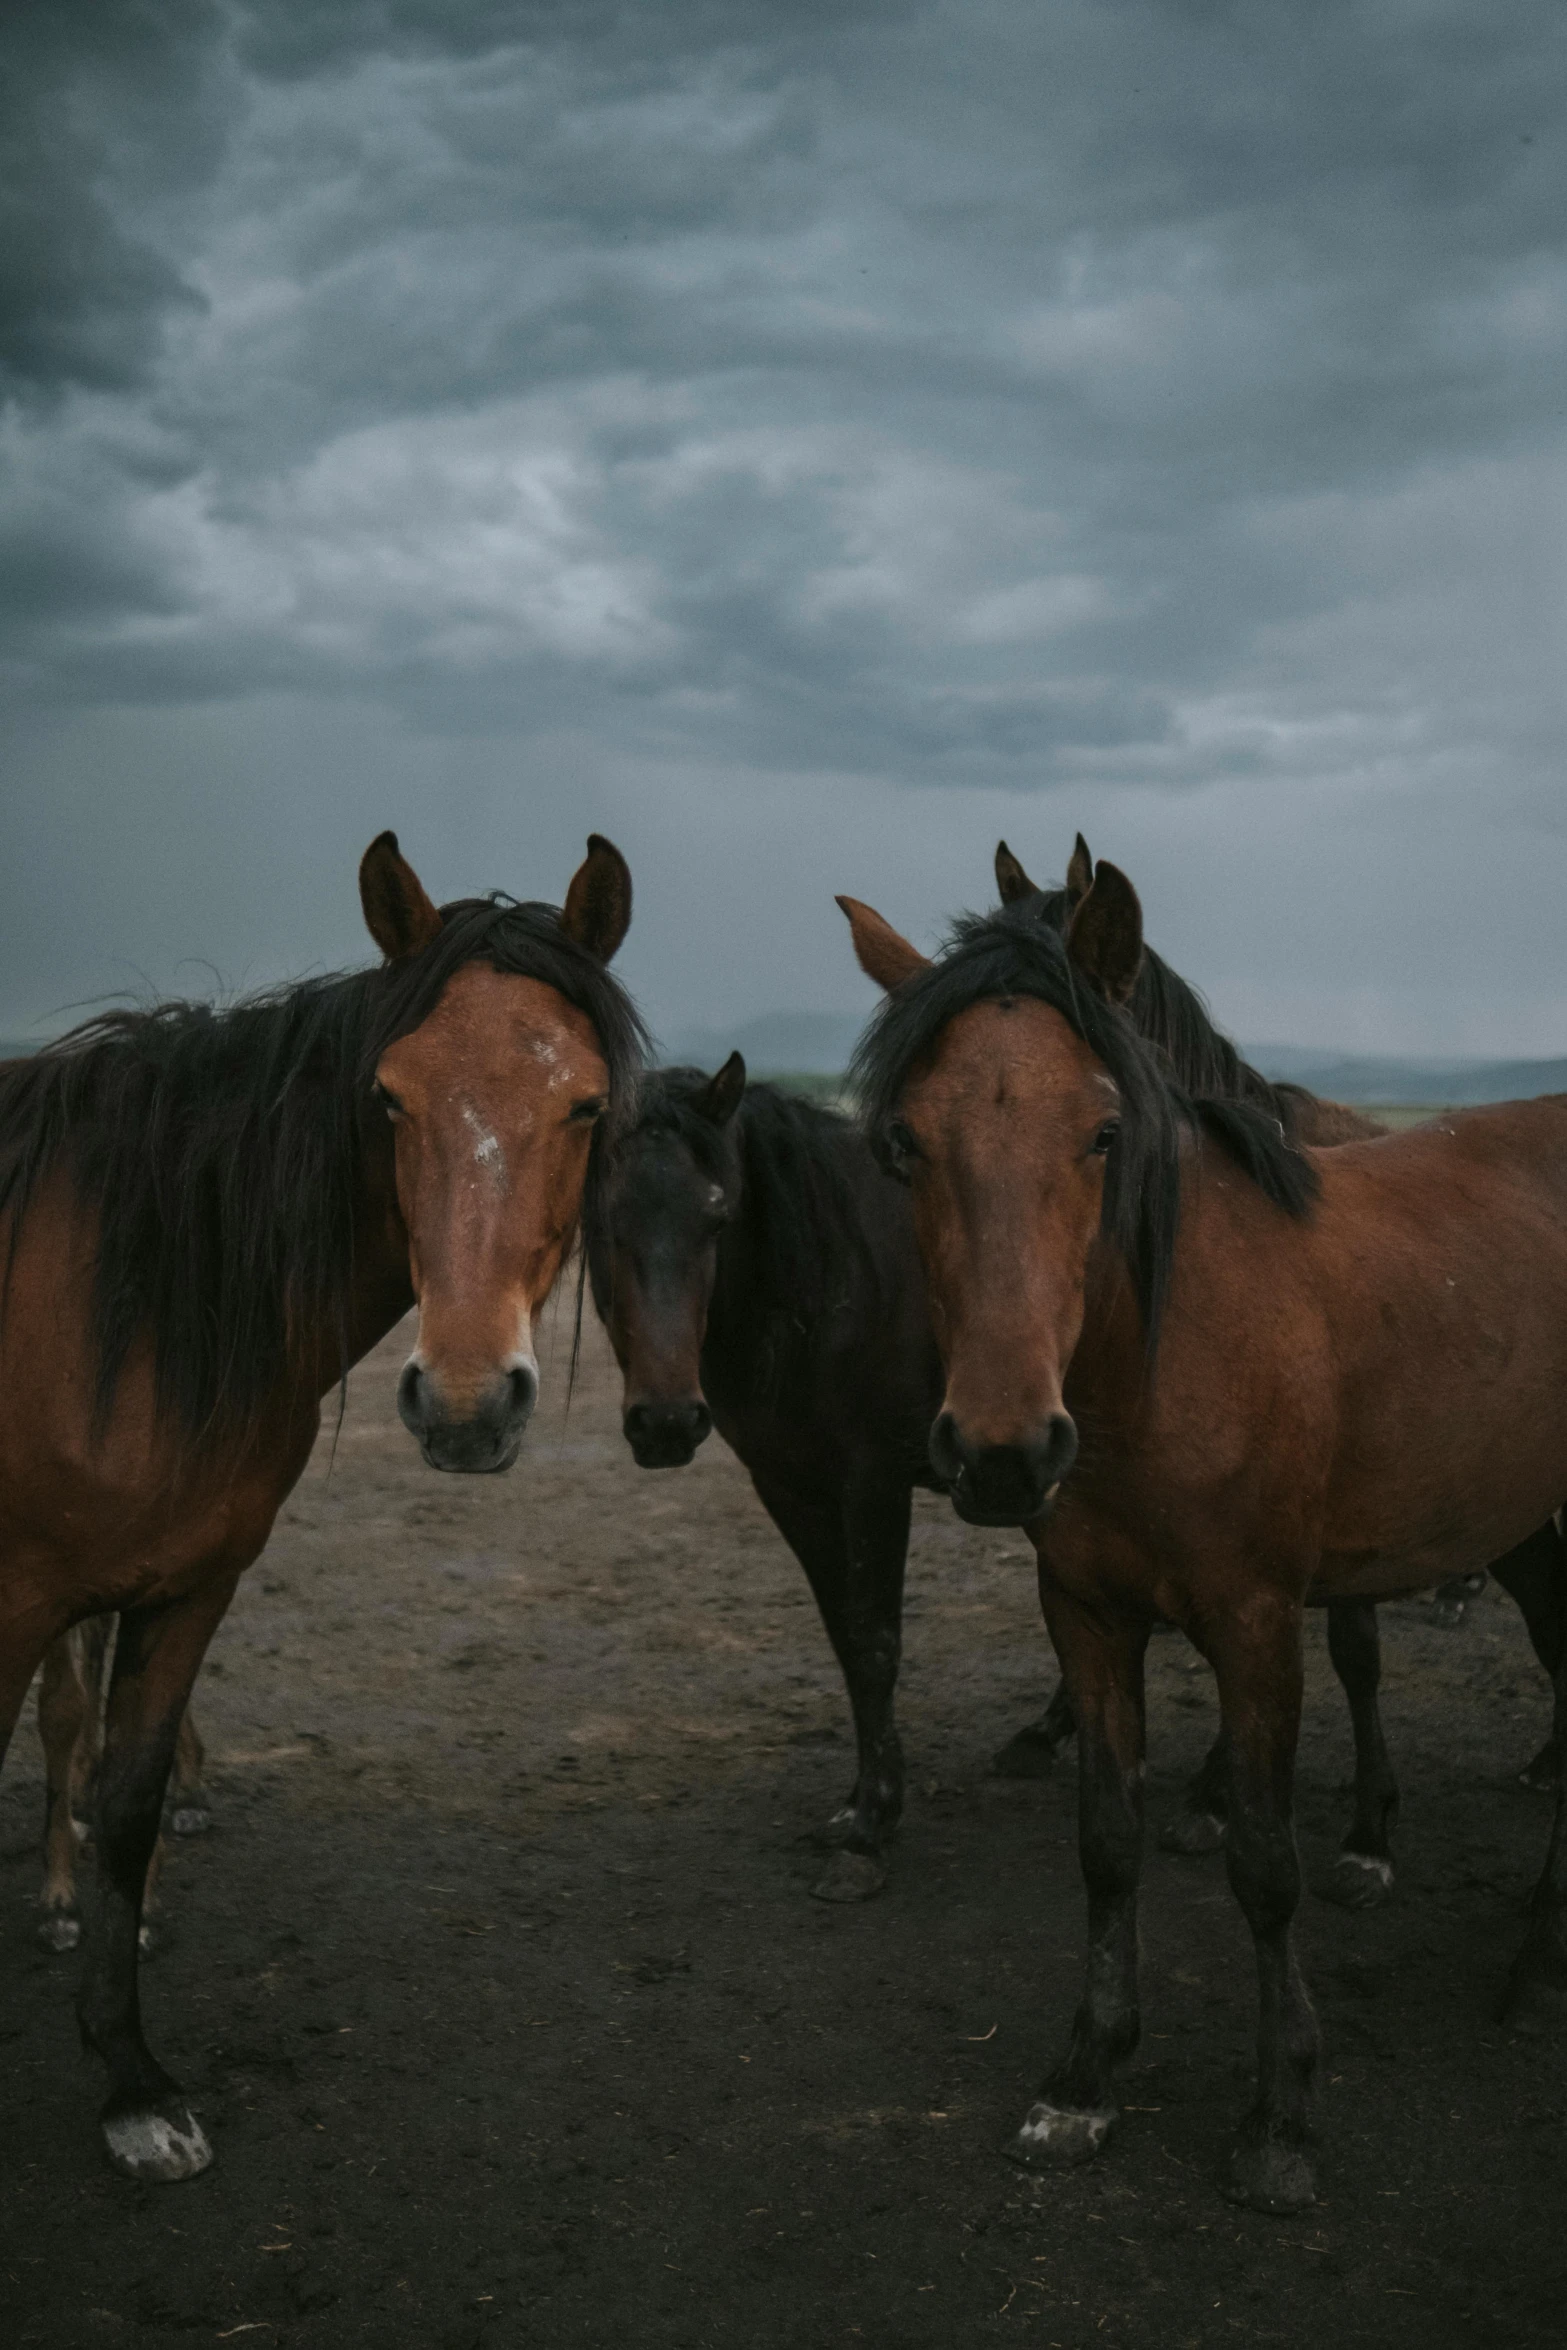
(1015, 953)
(224, 1153)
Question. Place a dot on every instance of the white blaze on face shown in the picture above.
(487, 1152)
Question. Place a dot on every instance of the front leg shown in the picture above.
(148, 2128)
(1256, 1653)
(1102, 1664)
(853, 1555)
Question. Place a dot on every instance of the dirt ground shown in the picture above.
(499, 1991)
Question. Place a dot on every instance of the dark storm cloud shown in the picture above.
(102, 109)
(951, 392)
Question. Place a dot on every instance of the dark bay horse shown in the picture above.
(755, 1271)
(1213, 1375)
(208, 1216)
(1174, 1019)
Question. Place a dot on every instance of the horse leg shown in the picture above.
(1257, 1657)
(1031, 1752)
(190, 1815)
(1535, 1575)
(1363, 1872)
(854, 1558)
(1201, 1823)
(1102, 1660)
(1536, 1994)
(63, 1707)
(148, 2127)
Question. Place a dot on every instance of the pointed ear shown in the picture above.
(1080, 873)
(881, 954)
(1105, 936)
(400, 917)
(720, 1097)
(1011, 880)
(597, 912)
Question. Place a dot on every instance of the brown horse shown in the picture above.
(1214, 1376)
(1205, 1063)
(207, 1218)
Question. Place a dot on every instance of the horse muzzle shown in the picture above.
(480, 1441)
(666, 1435)
(1003, 1484)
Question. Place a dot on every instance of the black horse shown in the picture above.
(756, 1271)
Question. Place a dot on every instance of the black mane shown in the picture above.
(225, 1152)
(1015, 953)
(1172, 1015)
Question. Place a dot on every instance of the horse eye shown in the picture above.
(387, 1099)
(1106, 1136)
(901, 1149)
(585, 1113)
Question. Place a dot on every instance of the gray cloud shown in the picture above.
(1113, 401)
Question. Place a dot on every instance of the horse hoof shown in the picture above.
(1193, 1833)
(1268, 2174)
(1055, 2137)
(1030, 1755)
(161, 2147)
(1358, 1881)
(1544, 1775)
(190, 1819)
(147, 1938)
(60, 1930)
(850, 1876)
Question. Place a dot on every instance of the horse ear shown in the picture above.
(1011, 880)
(398, 914)
(881, 954)
(1105, 936)
(597, 912)
(1080, 873)
(720, 1097)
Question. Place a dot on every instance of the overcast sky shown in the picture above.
(802, 441)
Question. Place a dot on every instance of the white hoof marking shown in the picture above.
(1382, 1870)
(1055, 2125)
(146, 2146)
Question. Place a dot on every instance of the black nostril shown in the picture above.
(946, 1454)
(411, 1401)
(524, 1392)
(1060, 1448)
(701, 1422)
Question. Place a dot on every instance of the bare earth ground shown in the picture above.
(500, 1993)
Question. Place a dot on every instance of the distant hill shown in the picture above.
(1364, 1077)
(800, 1043)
